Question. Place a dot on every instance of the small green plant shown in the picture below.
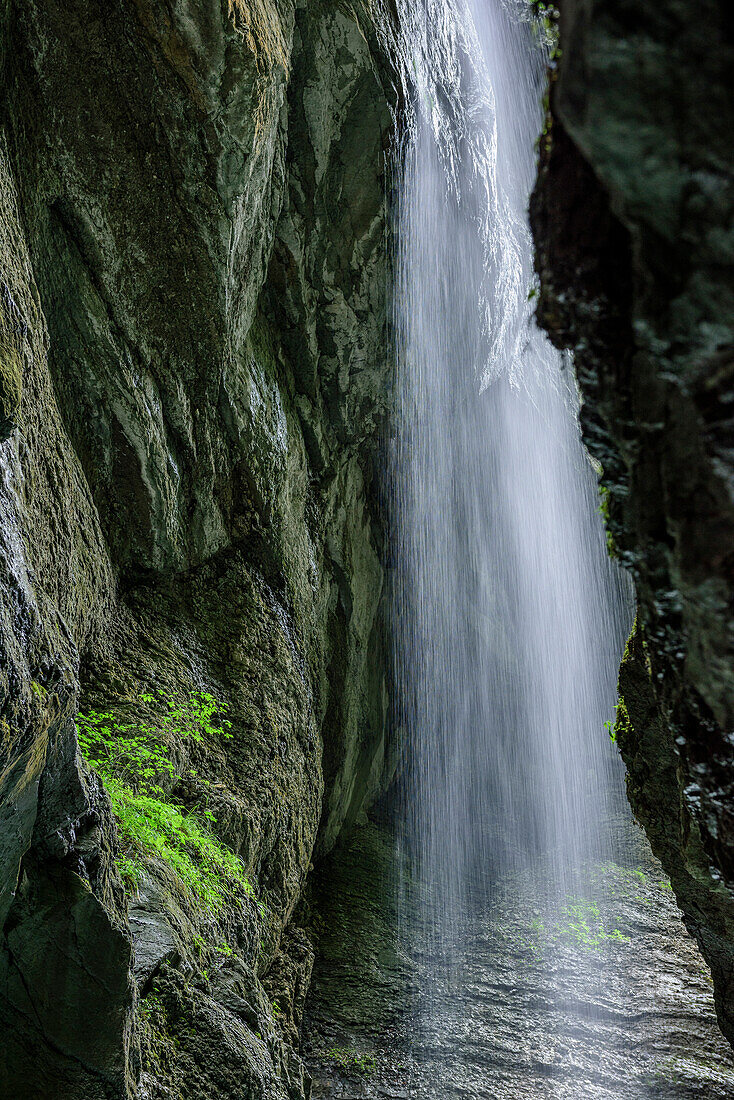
(157, 1041)
(579, 922)
(582, 923)
(134, 760)
(150, 1008)
(353, 1061)
(545, 25)
(621, 723)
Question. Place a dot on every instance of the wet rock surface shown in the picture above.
(601, 994)
(192, 380)
(192, 387)
(632, 217)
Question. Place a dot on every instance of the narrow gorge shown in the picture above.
(366, 643)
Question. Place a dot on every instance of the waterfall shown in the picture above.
(510, 616)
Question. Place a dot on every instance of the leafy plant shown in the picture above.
(583, 923)
(604, 512)
(351, 1060)
(621, 723)
(139, 753)
(133, 760)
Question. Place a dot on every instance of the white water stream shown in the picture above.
(538, 952)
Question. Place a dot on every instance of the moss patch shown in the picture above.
(352, 1061)
(135, 759)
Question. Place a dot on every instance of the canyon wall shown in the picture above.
(633, 216)
(193, 379)
(194, 386)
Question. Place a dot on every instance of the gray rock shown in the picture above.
(529, 1007)
(154, 940)
(632, 219)
(192, 379)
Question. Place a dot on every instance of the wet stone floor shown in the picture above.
(602, 996)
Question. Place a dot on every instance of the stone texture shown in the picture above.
(192, 384)
(193, 387)
(528, 1007)
(632, 217)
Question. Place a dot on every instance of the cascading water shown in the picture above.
(532, 948)
(510, 616)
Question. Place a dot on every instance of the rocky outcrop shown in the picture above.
(192, 383)
(633, 223)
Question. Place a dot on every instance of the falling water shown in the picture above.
(531, 950)
(510, 616)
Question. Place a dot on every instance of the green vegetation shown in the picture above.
(599, 914)
(544, 21)
(581, 923)
(621, 723)
(630, 883)
(688, 1071)
(352, 1061)
(158, 1041)
(134, 760)
(605, 513)
(547, 16)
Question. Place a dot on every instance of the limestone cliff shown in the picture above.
(192, 382)
(633, 225)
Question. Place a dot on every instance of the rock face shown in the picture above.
(600, 999)
(633, 223)
(192, 382)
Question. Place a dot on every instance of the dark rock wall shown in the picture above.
(192, 382)
(634, 222)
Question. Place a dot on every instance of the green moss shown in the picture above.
(11, 367)
(157, 1038)
(134, 759)
(352, 1061)
(621, 725)
(684, 1071)
(545, 26)
(604, 512)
